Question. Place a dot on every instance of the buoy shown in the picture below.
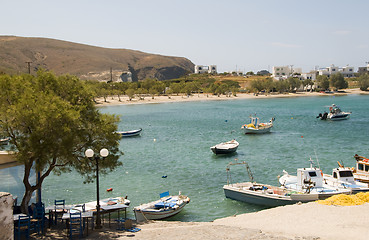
(109, 189)
(302, 136)
(154, 139)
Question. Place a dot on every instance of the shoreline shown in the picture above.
(309, 221)
(114, 100)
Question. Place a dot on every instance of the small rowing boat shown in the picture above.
(165, 207)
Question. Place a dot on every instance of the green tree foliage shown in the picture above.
(323, 82)
(363, 82)
(51, 122)
(130, 93)
(338, 81)
(294, 83)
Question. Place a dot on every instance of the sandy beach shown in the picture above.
(308, 221)
(124, 100)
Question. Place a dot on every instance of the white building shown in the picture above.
(329, 71)
(280, 72)
(311, 76)
(206, 69)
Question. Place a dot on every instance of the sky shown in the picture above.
(243, 35)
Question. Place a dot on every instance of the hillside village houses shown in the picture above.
(283, 72)
(206, 69)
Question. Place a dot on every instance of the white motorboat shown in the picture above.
(225, 147)
(334, 114)
(165, 207)
(344, 177)
(361, 170)
(310, 180)
(256, 127)
(263, 194)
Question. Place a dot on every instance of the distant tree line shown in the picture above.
(323, 83)
(192, 84)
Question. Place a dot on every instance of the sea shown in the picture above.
(173, 151)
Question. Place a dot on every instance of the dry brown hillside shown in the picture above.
(87, 62)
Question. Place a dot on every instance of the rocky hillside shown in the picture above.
(84, 61)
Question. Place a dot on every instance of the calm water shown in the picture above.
(176, 142)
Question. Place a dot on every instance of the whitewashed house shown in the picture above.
(283, 72)
(206, 69)
(329, 71)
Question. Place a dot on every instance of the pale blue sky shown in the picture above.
(249, 34)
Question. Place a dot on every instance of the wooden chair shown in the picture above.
(75, 223)
(59, 210)
(38, 220)
(22, 226)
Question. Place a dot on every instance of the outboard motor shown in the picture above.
(324, 117)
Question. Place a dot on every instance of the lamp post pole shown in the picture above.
(98, 219)
(103, 153)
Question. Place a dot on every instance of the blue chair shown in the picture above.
(38, 220)
(22, 226)
(75, 223)
(59, 210)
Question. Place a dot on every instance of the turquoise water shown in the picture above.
(176, 141)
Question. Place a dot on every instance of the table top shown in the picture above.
(53, 207)
(88, 214)
(113, 207)
(16, 216)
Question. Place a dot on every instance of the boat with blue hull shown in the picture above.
(131, 133)
(335, 113)
(225, 147)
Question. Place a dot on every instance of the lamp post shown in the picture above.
(103, 153)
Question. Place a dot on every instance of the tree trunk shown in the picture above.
(26, 198)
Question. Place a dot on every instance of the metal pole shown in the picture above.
(98, 219)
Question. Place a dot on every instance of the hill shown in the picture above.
(85, 61)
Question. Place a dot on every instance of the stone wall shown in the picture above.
(6, 216)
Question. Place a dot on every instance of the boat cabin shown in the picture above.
(309, 177)
(343, 174)
(361, 171)
(254, 121)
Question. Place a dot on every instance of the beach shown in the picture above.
(124, 100)
(307, 221)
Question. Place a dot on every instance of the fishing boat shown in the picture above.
(310, 180)
(255, 127)
(225, 147)
(167, 206)
(263, 194)
(130, 133)
(361, 170)
(334, 114)
(344, 177)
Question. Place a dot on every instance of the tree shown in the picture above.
(294, 83)
(363, 82)
(130, 93)
(338, 81)
(323, 82)
(51, 121)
